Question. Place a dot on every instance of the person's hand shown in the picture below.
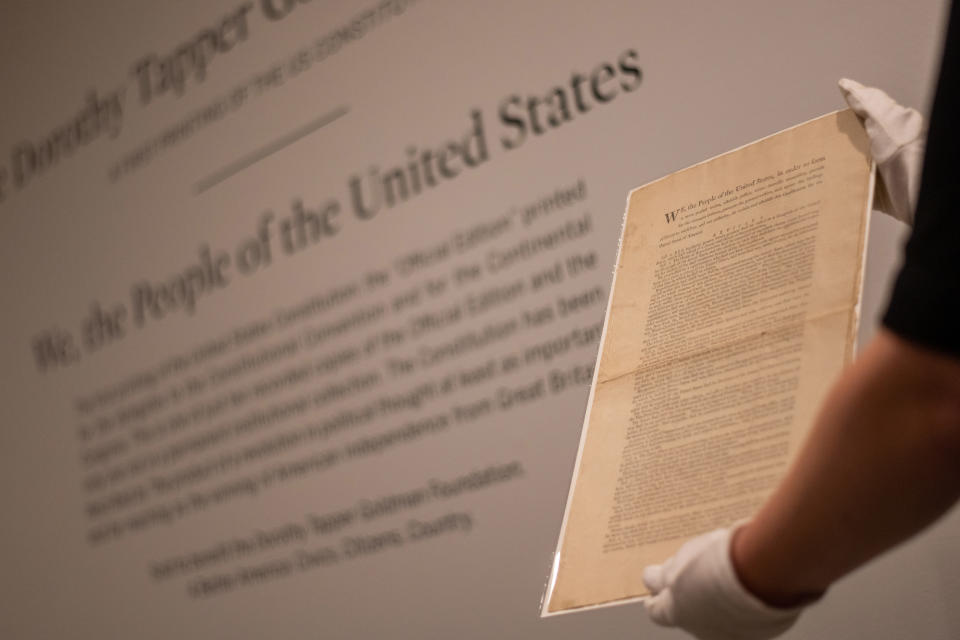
(698, 590)
(897, 140)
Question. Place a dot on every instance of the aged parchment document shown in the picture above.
(734, 306)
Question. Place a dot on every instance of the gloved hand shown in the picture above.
(897, 140)
(698, 591)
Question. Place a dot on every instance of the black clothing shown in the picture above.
(925, 306)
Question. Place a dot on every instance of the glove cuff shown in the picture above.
(750, 616)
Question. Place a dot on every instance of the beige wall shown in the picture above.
(102, 226)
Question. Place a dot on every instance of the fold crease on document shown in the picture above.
(844, 310)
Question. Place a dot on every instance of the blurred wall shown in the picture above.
(301, 299)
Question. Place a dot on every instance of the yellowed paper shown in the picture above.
(733, 308)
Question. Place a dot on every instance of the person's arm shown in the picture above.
(882, 462)
(882, 459)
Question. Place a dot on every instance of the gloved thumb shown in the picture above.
(660, 608)
(653, 577)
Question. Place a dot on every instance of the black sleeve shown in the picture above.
(925, 305)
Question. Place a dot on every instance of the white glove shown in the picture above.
(897, 140)
(698, 591)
